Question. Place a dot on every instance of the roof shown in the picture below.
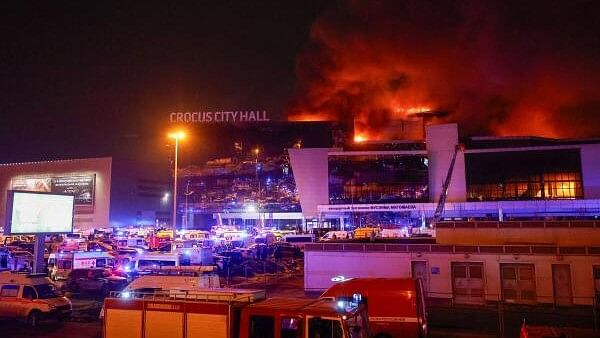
(288, 304)
(366, 286)
(21, 278)
(320, 307)
(487, 142)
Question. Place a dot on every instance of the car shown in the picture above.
(95, 280)
(32, 297)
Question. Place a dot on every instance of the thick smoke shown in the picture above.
(507, 68)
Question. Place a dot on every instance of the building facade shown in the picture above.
(399, 184)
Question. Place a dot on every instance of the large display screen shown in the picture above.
(78, 185)
(34, 212)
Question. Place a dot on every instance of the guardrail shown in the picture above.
(462, 249)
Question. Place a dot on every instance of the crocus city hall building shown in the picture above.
(492, 178)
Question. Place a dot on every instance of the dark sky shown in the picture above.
(82, 80)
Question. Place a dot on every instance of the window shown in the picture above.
(45, 291)
(65, 264)
(524, 175)
(377, 179)
(9, 291)
(262, 327)
(357, 326)
(324, 328)
(290, 327)
(100, 262)
(29, 293)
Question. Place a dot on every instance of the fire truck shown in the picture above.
(396, 305)
(231, 314)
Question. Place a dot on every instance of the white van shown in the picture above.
(335, 235)
(153, 260)
(31, 297)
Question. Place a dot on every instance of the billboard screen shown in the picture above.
(78, 185)
(36, 212)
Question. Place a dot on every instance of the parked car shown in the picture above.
(32, 297)
(95, 280)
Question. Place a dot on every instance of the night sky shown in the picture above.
(100, 78)
(86, 79)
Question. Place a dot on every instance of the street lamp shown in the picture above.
(179, 135)
(257, 152)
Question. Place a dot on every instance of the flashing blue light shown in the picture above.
(126, 294)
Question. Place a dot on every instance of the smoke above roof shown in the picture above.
(503, 68)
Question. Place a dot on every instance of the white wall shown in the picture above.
(590, 169)
(321, 266)
(85, 217)
(441, 140)
(310, 167)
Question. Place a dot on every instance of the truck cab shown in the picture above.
(396, 305)
(304, 318)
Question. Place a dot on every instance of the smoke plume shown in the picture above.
(505, 67)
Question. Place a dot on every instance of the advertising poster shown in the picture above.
(80, 186)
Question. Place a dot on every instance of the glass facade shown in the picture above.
(363, 179)
(524, 175)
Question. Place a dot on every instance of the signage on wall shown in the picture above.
(435, 270)
(82, 186)
(367, 207)
(219, 116)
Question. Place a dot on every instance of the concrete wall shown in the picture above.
(557, 236)
(85, 217)
(441, 140)
(590, 170)
(321, 266)
(310, 167)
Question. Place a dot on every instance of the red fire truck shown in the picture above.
(396, 305)
(231, 314)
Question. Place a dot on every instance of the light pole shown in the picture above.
(258, 221)
(179, 135)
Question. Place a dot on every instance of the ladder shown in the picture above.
(439, 210)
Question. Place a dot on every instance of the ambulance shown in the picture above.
(62, 263)
(32, 297)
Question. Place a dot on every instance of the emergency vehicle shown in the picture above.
(334, 235)
(153, 260)
(366, 232)
(230, 314)
(193, 252)
(62, 263)
(396, 305)
(32, 297)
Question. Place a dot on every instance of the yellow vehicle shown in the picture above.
(366, 232)
(165, 234)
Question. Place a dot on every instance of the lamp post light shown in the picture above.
(258, 221)
(179, 135)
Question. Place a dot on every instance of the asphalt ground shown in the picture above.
(444, 321)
